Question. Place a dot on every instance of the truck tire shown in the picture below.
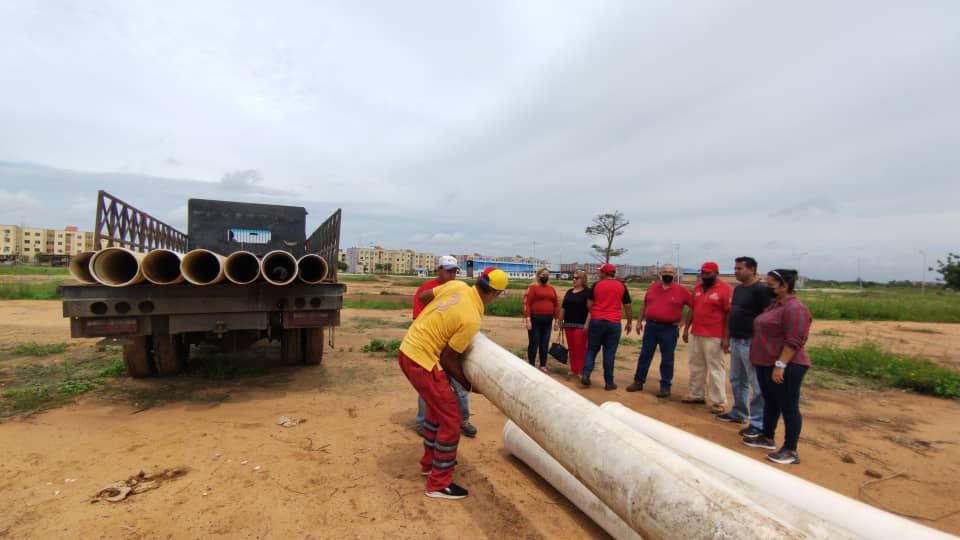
(291, 346)
(312, 346)
(136, 356)
(167, 354)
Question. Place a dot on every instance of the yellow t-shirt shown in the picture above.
(452, 318)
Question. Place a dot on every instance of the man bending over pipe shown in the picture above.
(430, 355)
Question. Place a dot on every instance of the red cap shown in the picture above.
(608, 268)
(709, 266)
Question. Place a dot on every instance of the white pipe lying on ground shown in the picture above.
(116, 267)
(766, 485)
(162, 267)
(658, 493)
(527, 450)
(242, 267)
(80, 267)
(202, 267)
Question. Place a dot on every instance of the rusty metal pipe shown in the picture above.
(202, 267)
(162, 267)
(80, 267)
(312, 269)
(279, 267)
(116, 267)
(242, 267)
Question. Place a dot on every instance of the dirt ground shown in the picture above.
(350, 471)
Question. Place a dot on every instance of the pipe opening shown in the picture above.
(161, 266)
(242, 267)
(313, 268)
(201, 267)
(80, 267)
(115, 267)
(279, 267)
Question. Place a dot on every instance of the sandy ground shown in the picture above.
(351, 470)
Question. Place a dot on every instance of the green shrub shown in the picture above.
(73, 387)
(363, 303)
(377, 345)
(117, 369)
(26, 398)
(38, 349)
(900, 371)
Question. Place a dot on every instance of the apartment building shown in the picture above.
(28, 244)
(391, 261)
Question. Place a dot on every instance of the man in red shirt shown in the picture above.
(663, 310)
(447, 268)
(605, 301)
(708, 316)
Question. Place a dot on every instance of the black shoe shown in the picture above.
(610, 387)
(467, 429)
(635, 387)
(750, 432)
(663, 393)
(727, 417)
(691, 400)
(585, 382)
(761, 441)
(452, 491)
(784, 457)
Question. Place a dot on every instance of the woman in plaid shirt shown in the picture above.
(778, 354)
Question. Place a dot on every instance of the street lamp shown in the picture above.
(800, 260)
(923, 273)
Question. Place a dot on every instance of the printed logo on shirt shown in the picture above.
(454, 300)
(714, 296)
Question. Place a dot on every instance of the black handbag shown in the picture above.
(558, 351)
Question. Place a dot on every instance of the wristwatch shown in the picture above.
(780, 364)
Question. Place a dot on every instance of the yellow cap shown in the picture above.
(495, 278)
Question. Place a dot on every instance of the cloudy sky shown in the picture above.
(814, 133)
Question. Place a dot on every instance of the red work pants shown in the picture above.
(441, 422)
(576, 347)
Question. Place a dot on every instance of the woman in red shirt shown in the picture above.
(780, 358)
(541, 313)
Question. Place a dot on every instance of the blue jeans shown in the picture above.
(743, 379)
(462, 396)
(604, 334)
(664, 335)
(782, 400)
(538, 337)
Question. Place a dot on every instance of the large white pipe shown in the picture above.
(116, 267)
(527, 450)
(202, 267)
(162, 267)
(80, 267)
(658, 493)
(312, 269)
(766, 485)
(242, 267)
(279, 267)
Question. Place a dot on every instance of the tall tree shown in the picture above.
(607, 227)
(950, 270)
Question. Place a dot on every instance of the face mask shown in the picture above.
(667, 279)
(771, 292)
(544, 279)
(708, 281)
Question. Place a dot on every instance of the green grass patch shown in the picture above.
(382, 346)
(366, 323)
(39, 349)
(75, 387)
(27, 270)
(870, 361)
(889, 304)
(25, 398)
(363, 303)
(357, 277)
(21, 290)
(117, 369)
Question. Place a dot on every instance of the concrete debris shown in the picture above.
(288, 422)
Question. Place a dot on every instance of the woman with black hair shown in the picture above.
(777, 351)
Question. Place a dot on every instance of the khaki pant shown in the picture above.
(705, 359)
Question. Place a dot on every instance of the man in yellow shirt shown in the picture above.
(429, 354)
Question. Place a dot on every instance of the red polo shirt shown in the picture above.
(417, 304)
(608, 296)
(665, 305)
(710, 309)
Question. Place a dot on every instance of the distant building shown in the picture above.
(690, 276)
(31, 245)
(625, 271)
(388, 261)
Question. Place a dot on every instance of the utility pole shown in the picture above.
(923, 274)
(799, 261)
(859, 275)
(676, 248)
